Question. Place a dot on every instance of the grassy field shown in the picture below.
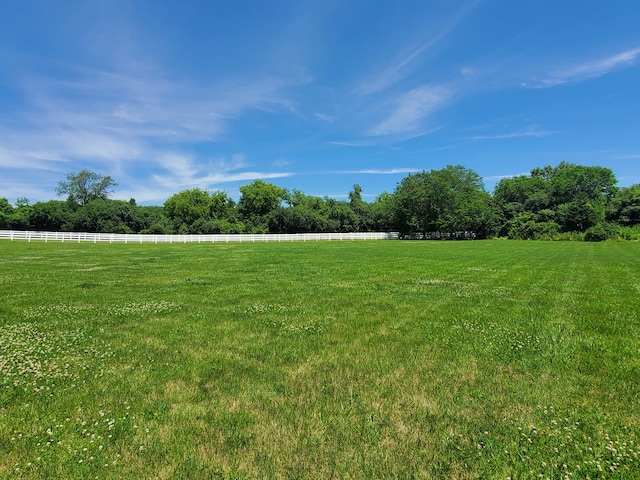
(360, 360)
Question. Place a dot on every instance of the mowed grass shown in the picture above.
(379, 359)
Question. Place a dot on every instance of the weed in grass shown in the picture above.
(270, 308)
(193, 281)
(36, 360)
(505, 340)
(142, 308)
(450, 287)
(88, 442)
(55, 312)
(71, 311)
(286, 319)
(563, 447)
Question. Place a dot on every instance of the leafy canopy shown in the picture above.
(86, 186)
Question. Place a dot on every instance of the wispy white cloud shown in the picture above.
(394, 72)
(116, 121)
(36, 159)
(28, 188)
(281, 162)
(211, 181)
(527, 133)
(179, 165)
(629, 157)
(354, 143)
(587, 70)
(218, 178)
(411, 109)
(406, 61)
(324, 118)
(375, 171)
(147, 107)
(368, 171)
(469, 71)
(185, 171)
(502, 177)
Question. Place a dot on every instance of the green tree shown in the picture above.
(522, 194)
(109, 216)
(360, 208)
(22, 202)
(448, 200)
(6, 210)
(197, 211)
(154, 220)
(259, 200)
(624, 207)
(579, 194)
(86, 186)
(5, 206)
(54, 215)
(579, 215)
(383, 212)
(571, 183)
(304, 213)
(223, 207)
(340, 216)
(186, 207)
(567, 197)
(18, 218)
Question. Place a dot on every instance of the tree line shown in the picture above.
(566, 201)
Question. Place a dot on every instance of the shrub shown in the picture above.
(524, 227)
(601, 232)
(570, 236)
(629, 233)
(161, 228)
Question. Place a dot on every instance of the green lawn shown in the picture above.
(379, 359)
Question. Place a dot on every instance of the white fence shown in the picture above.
(77, 237)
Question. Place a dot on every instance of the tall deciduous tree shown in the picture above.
(54, 215)
(108, 216)
(5, 206)
(85, 186)
(6, 210)
(186, 207)
(624, 207)
(448, 200)
(259, 200)
(567, 197)
(360, 208)
(304, 213)
(571, 183)
(383, 212)
(197, 211)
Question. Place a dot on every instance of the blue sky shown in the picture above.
(314, 95)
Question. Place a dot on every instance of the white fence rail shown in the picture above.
(77, 237)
